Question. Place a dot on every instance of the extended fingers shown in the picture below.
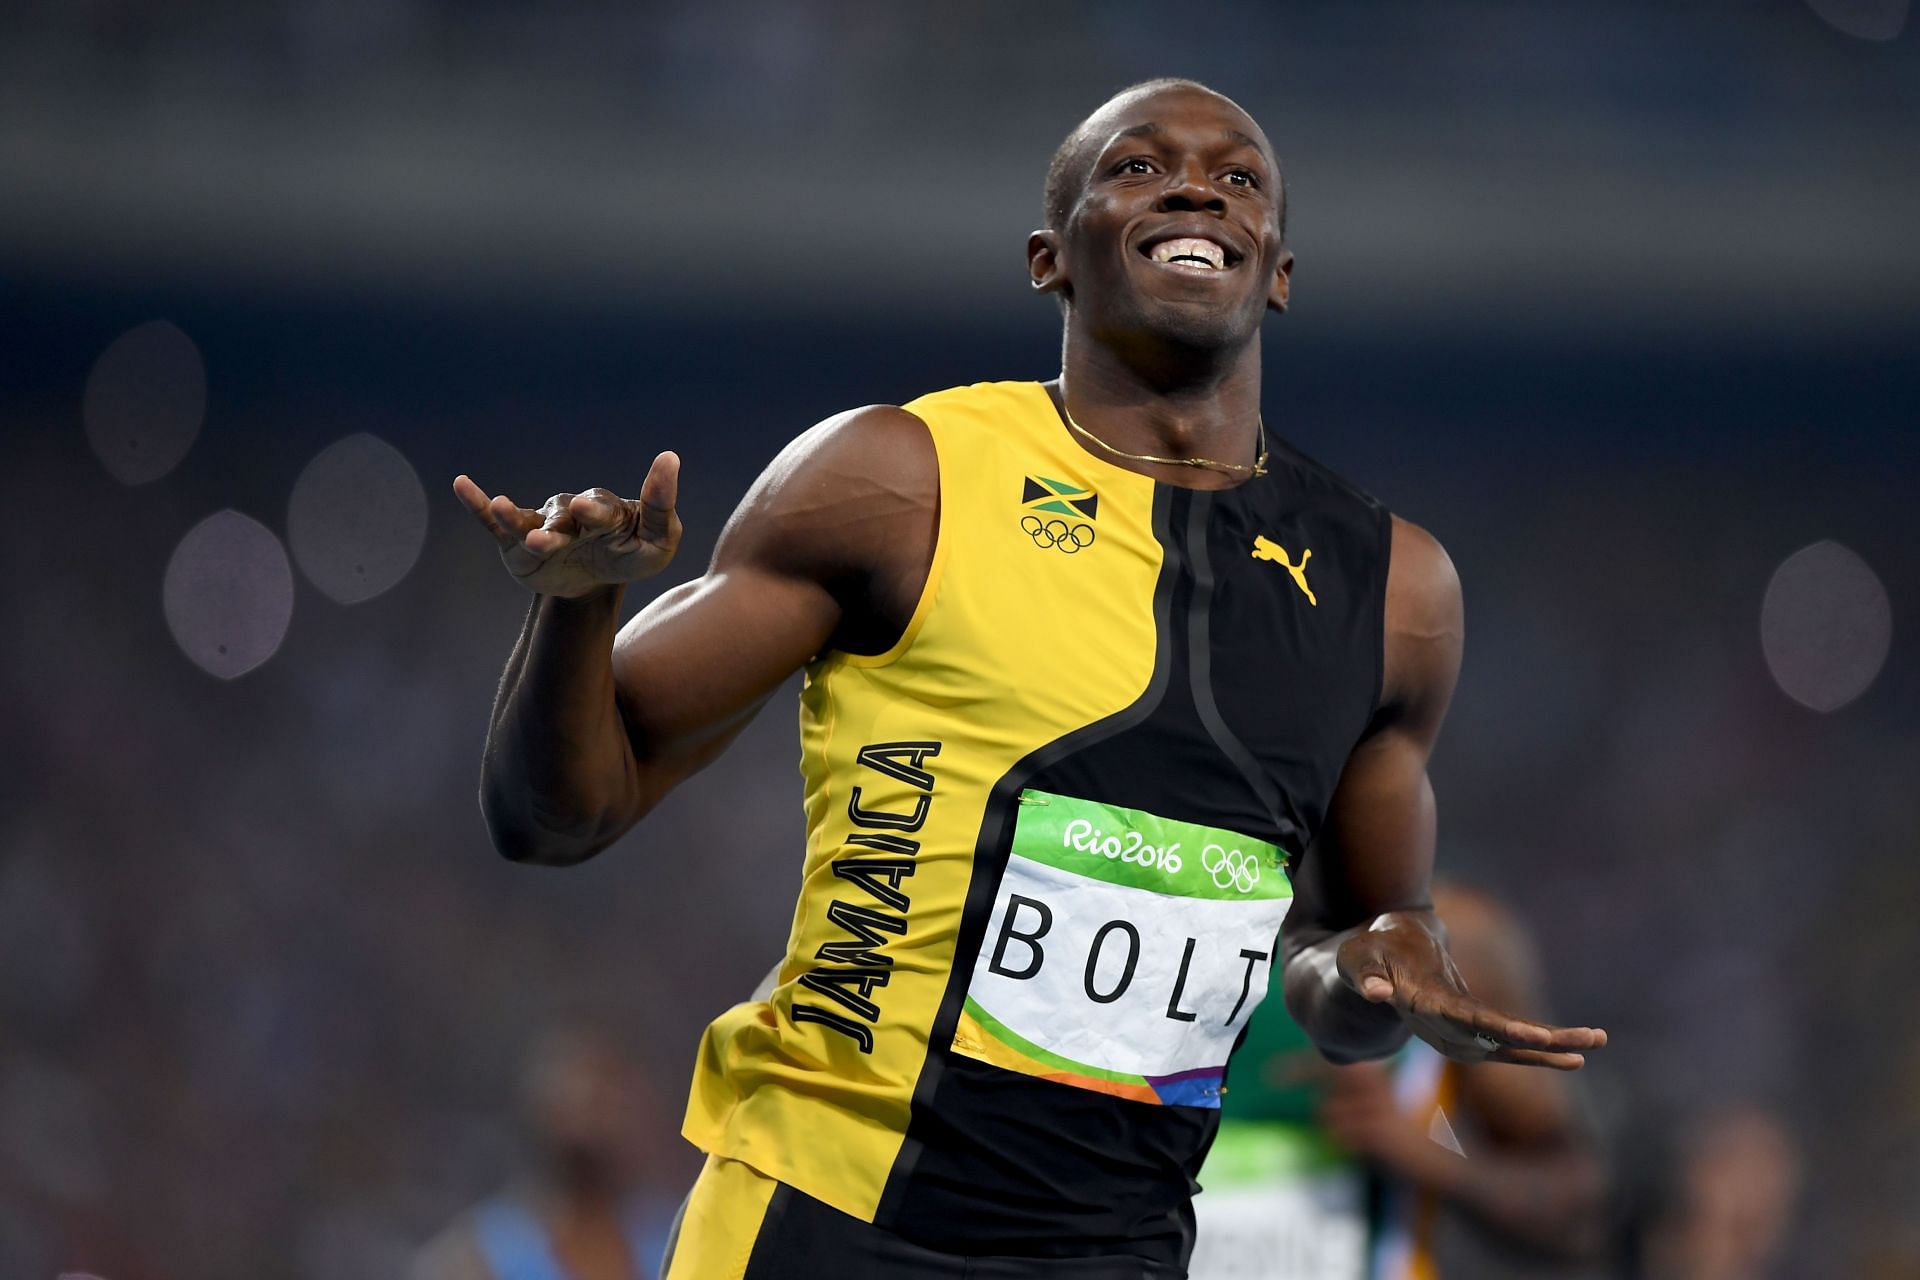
(505, 521)
(658, 495)
(516, 522)
(1539, 1058)
(1539, 1035)
(1472, 1018)
(1520, 1039)
(595, 536)
(472, 496)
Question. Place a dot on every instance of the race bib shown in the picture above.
(1125, 951)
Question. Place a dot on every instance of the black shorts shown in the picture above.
(739, 1224)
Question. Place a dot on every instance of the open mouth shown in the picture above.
(1192, 253)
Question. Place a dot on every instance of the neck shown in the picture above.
(1167, 401)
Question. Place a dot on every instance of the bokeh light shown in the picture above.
(1864, 19)
(229, 594)
(358, 518)
(146, 396)
(1825, 625)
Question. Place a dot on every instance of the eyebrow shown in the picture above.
(1245, 141)
(1150, 128)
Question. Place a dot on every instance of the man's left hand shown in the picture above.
(1402, 960)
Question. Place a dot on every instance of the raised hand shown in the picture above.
(579, 543)
(1402, 960)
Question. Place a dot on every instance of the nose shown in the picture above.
(1188, 190)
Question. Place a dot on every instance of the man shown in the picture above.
(579, 1214)
(1342, 1173)
(1088, 664)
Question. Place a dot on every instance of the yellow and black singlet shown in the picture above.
(1047, 840)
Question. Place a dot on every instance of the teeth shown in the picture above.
(1191, 252)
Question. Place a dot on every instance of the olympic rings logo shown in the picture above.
(1230, 868)
(1070, 539)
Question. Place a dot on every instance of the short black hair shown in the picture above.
(1064, 180)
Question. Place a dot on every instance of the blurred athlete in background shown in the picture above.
(1730, 1200)
(1091, 667)
(579, 1214)
(1340, 1173)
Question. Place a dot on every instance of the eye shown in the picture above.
(1243, 177)
(1134, 164)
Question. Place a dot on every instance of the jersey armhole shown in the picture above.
(935, 569)
(1380, 620)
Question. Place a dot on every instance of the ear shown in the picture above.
(1282, 286)
(1044, 265)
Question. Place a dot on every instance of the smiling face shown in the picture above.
(1168, 223)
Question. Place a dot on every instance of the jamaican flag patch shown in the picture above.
(1059, 497)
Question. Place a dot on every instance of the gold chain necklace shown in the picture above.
(1254, 470)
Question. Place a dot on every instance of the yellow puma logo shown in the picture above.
(1266, 549)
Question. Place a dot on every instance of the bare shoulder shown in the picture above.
(1423, 588)
(828, 494)
(1425, 624)
(877, 445)
(852, 508)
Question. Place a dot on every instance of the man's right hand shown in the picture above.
(580, 543)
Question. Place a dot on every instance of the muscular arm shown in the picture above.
(1366, 960)
(1371, 865)
(590, 728)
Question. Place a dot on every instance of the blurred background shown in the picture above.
(1621, 300)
